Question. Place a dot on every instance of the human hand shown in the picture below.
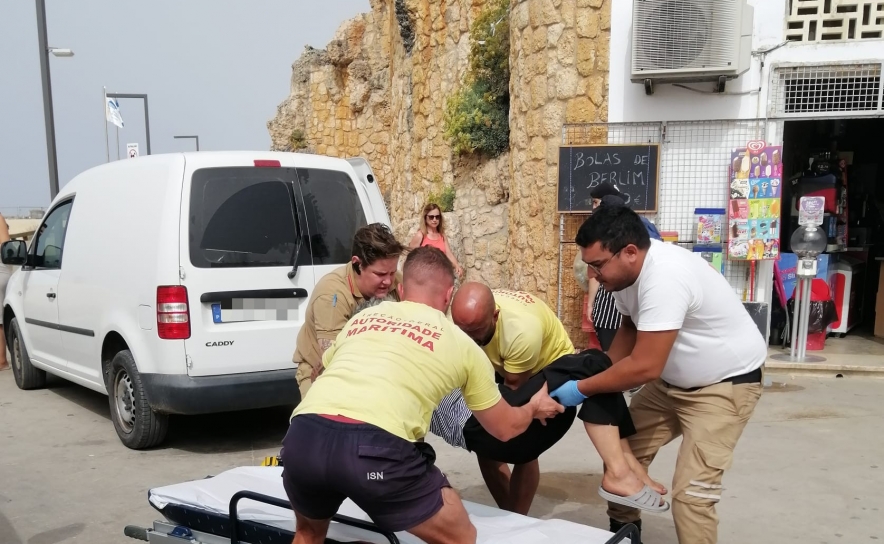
(459, 271)
(544, 406)
(568, 394)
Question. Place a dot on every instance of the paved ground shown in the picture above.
(809, 468)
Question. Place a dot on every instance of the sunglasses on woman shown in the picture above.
(433, 217)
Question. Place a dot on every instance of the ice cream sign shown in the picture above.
(754, 207)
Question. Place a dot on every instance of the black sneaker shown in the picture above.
(617, 525)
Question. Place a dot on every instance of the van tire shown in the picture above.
(137, 425)
(27, 376)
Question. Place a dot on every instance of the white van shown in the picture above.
(176, 284)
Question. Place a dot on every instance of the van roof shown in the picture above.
(203, 159)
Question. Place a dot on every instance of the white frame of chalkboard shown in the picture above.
(659, 147)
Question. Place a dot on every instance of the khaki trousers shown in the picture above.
(711, 421)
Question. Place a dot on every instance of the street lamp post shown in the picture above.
(197, 138)
(48, 115)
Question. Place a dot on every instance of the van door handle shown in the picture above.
(50, 295)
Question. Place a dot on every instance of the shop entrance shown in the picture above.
(843, 161)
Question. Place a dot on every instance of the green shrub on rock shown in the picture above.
(476, 117)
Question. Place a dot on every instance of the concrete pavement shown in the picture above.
(809, 466)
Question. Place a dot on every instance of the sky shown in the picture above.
(215, 68)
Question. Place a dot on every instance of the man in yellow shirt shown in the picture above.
(372, 273)
(522, 337)
(358, 434)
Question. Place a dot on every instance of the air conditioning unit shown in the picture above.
(687, 41)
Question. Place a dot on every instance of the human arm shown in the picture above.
(640, 350)
(515, 380)
(482, 397)
(593, 291)
(452, 258)
(505, 422)
(4, 230)
(416, 240)
(624, 340)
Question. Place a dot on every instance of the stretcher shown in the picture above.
(248, 505)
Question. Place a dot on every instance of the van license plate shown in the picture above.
(255, 309)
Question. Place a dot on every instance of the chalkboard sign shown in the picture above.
(633, 168)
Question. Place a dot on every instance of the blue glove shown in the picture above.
(568, 394)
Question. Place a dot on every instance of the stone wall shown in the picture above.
(379, 90)
(559, 63)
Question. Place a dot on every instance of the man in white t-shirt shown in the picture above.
(687, 336)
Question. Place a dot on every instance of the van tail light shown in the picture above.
(261, 163)
(173, 315)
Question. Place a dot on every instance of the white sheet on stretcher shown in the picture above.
(494, 526)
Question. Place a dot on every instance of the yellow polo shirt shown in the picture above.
(392, 365)
(528, 336)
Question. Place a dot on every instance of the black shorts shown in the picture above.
(393, 480)
(603, 409)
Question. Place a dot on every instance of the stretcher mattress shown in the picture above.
(201, 501)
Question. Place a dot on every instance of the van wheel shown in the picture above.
(27, 376)
(137, 425)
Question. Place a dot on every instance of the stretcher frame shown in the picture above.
(169, 533)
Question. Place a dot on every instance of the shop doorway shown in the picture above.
(842, 160)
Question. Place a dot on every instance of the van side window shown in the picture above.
(334, 214)
(49, 240)
(245, 217)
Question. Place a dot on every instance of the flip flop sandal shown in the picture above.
(646, 499)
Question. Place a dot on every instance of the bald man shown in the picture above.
(528, 345)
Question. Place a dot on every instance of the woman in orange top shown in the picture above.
(432, 233)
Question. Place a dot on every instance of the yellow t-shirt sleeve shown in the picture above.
(480, 392)
(329, 353)
(525, 341)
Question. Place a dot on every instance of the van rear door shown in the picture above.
(246, 228)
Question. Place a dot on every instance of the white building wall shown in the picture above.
(745, 97)
(627, 101)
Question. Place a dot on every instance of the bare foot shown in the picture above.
(642, 474)
(4, 365)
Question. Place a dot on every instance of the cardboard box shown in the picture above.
(879, 304)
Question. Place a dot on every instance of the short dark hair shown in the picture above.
(615, 227)
(427, 259)
(375, 242)
(604, 189)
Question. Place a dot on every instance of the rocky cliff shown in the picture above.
(379, 89)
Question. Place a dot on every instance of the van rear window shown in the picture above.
(244, 217)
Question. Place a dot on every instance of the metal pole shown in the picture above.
(802, 330)
(147, 124)
(796, 317)
(106, 141)
(807, 286)
(800, 323)
(48, 116)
